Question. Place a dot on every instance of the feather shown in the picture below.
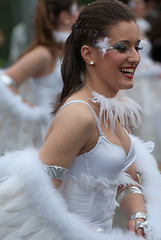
(9, 186)
(18, 204)
(103, 45)
(46, 233)
(47, 209)
(118, 107)
(147, 166)
(32, 225)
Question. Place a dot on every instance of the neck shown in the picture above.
(104, 92)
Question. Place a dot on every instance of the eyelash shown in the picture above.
(138, 48)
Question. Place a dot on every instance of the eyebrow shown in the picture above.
(126, 41)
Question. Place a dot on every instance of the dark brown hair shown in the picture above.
(94, 22)
(45, 21)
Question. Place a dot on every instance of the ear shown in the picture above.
(87, 53)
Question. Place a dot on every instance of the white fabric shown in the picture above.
(20, 125)
(30, 208)
(46, 89)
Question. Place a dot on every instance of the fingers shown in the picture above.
(140, 232)
(132, 227)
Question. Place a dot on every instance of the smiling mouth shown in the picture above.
(128, 71)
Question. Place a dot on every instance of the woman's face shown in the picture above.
(116, 68)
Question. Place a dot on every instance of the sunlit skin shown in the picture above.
(116, 69)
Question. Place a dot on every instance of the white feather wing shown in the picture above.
(18, 218)
(32, 209)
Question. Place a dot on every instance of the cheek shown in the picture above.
(115, 60)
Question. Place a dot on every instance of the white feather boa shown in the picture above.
(31, 209)
(119, 107)
(20, 125)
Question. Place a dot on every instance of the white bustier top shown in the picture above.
(47, 88)
(89, 186)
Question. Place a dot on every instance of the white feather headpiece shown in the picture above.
(103, 45)
(119, 108)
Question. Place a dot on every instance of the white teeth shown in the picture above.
(127, 70)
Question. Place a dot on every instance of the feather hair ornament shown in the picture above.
(103, 45)
(119, 107)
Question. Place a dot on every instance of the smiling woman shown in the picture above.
(121, 59)
(88, 155)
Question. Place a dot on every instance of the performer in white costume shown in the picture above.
(25, 111)
(68, 189)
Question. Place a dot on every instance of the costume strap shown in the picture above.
(97, 121)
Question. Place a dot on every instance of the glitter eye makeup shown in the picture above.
(123, 48)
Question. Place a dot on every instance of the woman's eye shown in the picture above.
(120, 48)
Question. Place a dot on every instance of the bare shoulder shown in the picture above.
(78, 112)
(75, 116)
(42, 52)
(70, 131)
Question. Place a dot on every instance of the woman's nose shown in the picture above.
(134, 56)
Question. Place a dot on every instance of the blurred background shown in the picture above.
(16, 27)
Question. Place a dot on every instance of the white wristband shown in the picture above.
(8, 81)
(138, 215)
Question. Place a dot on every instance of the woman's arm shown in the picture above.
(69, 133)
(30, 65)
(36, 63)
(133, 203)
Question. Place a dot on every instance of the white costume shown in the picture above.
(82, 209)
(21, 125)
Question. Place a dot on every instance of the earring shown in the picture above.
(91, 62)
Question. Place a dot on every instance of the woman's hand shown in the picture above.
(132, 226)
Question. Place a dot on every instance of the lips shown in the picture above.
(128, 71)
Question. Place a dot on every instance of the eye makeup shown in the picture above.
(123, 47)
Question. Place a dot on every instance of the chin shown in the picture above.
(128, 86)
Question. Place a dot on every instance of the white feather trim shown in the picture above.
(20, 125)
(118, 107)
(103, 45)
(47, 217)
(147, 166)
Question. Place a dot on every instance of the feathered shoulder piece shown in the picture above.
(120, 107)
